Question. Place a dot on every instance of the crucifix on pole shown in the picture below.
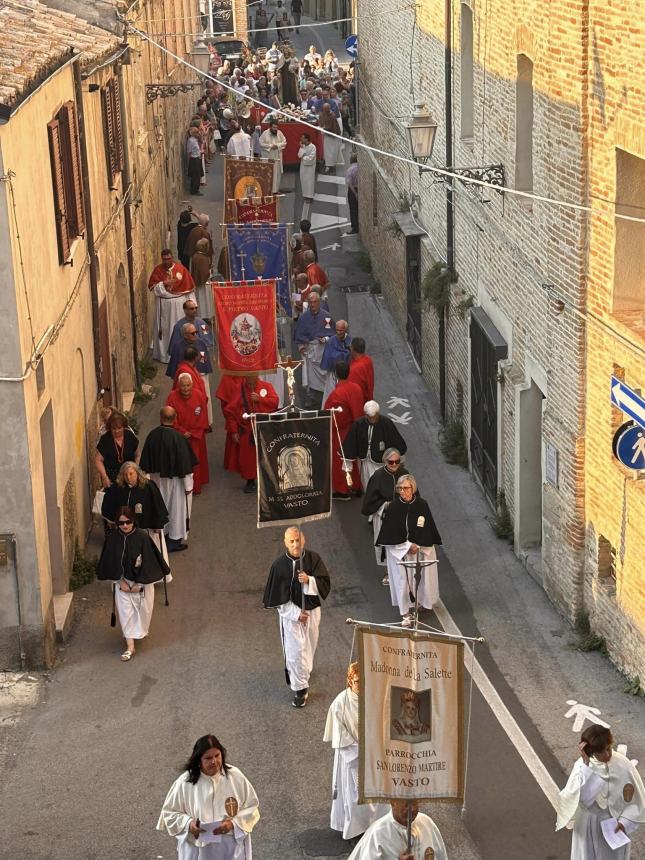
(290, 366)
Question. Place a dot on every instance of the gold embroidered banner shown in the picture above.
(411, 743)
(245, 177)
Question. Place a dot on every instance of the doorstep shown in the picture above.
(63, 615)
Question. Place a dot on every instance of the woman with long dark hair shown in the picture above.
(133, 563)
(211, 808)
(604, 786)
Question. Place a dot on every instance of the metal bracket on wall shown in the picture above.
(164, 91)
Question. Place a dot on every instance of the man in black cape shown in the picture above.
(369, 437)
(380, 493)
(170, 461)
(298, 580)
(409, 533)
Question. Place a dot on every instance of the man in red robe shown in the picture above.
(189, 365)
(350, 396)
(315, 273)
(228, 390)
(361, 369)
(172, 284)
(192, 421)
(255, 395)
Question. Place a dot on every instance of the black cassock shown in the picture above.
(380, 489)
(401, 523)
(132, 556)
(166, 452)
(149, 508)
(283, 586)
(384, 435)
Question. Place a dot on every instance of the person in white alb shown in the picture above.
(341, 730)
(239, 143)
(603, 801)
(387, 838)
(273, 142)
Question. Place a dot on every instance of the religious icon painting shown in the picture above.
(410, 715)
(243, 178)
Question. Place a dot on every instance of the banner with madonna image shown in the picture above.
(243, 178)
(260, 251)
(294, 468)
(246, 326)
(410, 716)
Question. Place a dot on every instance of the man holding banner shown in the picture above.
(298, 581)
(387, 838)
(254, 395)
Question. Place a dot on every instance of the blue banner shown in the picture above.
(260, 251)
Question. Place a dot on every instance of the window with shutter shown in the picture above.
(58, 181)
(113, 130)
(73, 176)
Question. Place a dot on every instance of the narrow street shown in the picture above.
(85, 767)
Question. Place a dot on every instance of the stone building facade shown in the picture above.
(507, 356)
(92, 182)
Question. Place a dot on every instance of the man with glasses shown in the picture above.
(191, 307)
(369, 437)
(380, 493)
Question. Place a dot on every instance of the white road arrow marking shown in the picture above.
(633, 406)
(401, 419)
(393, 402)
(331, 247)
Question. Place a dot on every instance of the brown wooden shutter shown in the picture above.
(72, 168)
(118, 124)
(58, 181)
(108, 128)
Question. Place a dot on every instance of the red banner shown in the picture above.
(246, 326)
(257, 209)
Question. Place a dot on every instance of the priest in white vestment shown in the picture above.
(341, 730)
(239, 143)
(273, 142)
(308, 156)
(171, 284)
(387, 838)
(211, 808)
(604, 786)
(169, 460)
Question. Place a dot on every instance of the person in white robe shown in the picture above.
(169, 303)
(239, 143)
(308, 157)
(604, 786)
(273, 142)
(341, 730)
(212, 808)
(297, 582)
(409, 534)
(387, 838)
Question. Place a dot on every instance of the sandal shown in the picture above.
(127, 655)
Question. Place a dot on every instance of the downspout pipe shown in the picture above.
(450, 218)
(89, 226)
(126, 179)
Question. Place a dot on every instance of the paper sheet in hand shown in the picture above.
(209, 836)
(613, 839)
(590, 789)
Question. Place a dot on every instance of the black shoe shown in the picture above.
(175, 546)
(341, 497)
(249, 487)
(300, 699)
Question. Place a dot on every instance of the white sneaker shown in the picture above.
(385, 580)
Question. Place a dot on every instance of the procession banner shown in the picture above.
(246, 326)
(294, 469)
(411, 732)
(260, 251)
(256, 209)
(245, 177)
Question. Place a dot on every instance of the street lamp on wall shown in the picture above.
(421, 131)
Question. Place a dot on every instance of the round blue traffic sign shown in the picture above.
(351, 46)
(630, 447)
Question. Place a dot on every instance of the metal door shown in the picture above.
(413, 284)
(487, 348)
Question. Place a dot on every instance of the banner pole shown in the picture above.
(409, 846)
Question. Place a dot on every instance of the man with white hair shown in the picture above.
(369, 437)
(298, 581)
(336, 349)
(313, 330)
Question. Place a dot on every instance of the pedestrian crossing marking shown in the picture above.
(318, 220)
(329, 198)
(337, 180)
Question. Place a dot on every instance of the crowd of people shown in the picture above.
(148, 490)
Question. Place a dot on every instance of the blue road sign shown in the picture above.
(630, 447)
(628, 401)
(351, 46)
